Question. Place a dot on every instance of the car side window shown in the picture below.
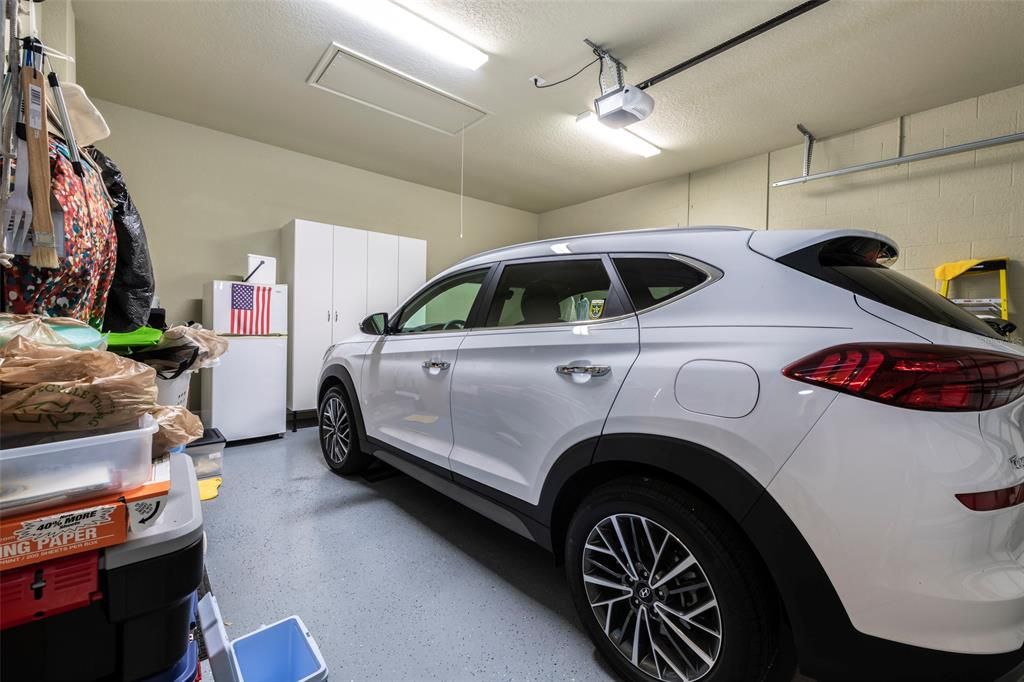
(552, 292)
(443, 307)
(650, 281)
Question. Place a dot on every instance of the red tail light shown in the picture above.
(993, 499)
(916, 376)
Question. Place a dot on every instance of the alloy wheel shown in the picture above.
(652, 598)
(335, 429)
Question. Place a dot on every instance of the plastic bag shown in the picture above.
(211, 344)
(46, 389)
(49, 331)
(183, 349)
(49, 389)
(178, 426)
(131, 292)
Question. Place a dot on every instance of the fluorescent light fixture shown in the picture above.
(623, 139)
(417, 31)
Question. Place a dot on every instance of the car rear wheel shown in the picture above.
(339, 440)
(667, 588)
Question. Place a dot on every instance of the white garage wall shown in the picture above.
(960, 206)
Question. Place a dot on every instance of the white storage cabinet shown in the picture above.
(337, 276)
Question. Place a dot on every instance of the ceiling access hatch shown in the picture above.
(348, 74)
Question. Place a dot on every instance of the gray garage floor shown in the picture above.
(394, 580)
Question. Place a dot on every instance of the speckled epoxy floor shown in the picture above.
(395, 581)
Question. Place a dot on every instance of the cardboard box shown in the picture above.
(38, 538)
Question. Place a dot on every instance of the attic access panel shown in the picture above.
(348, 74)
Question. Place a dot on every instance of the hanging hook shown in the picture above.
(809, 140)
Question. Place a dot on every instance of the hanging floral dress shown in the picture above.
(79, 287)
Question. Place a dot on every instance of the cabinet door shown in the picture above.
(412, 266)
(312, 309)
(349, 281)
(382, 273)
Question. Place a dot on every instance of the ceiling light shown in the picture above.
(417, 31)
(623, 139)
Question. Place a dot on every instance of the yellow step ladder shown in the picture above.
(985, 308)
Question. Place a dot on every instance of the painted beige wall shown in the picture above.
(731, 194)
(56, 22)
(967, 205)
(656, 205)
(208, 198)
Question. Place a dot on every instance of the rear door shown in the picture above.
(541, 372)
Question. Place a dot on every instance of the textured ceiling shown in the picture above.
(241, 66)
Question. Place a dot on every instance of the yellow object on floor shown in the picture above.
(209, 487)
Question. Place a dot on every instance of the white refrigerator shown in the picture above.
(244, 396)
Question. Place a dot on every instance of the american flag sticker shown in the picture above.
(250, 309)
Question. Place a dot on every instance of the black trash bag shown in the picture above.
(131, 291)
(169, 362)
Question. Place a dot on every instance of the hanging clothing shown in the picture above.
(79, 287)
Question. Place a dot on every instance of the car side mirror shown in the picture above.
(376, 324)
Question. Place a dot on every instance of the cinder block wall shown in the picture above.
(960, 206)
(968, 205)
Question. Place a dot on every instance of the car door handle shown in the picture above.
(587, 370)
(438, 365)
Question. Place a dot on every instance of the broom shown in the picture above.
(44, 244)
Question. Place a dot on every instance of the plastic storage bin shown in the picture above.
(207, 453)
(44, 475)
(281, 652)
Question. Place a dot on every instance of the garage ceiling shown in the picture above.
(241, 67)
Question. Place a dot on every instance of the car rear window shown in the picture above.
(857, 264)
(650, 281)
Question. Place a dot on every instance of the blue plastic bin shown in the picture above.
(281, 652)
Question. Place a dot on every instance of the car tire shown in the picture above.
(339, 433)
(637, 553)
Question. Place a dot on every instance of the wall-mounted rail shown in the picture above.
(907, 158)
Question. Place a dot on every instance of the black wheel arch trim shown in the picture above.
(332, 375)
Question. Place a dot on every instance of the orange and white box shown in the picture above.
(87, 525)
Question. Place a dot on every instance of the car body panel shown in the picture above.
(406, 404)
(516, 415)
(873, 492)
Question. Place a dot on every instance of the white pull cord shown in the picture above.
(462, 181)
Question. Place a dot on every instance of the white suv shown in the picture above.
(733, 439)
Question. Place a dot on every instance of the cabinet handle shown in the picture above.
(335, 315)
(328, 315)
